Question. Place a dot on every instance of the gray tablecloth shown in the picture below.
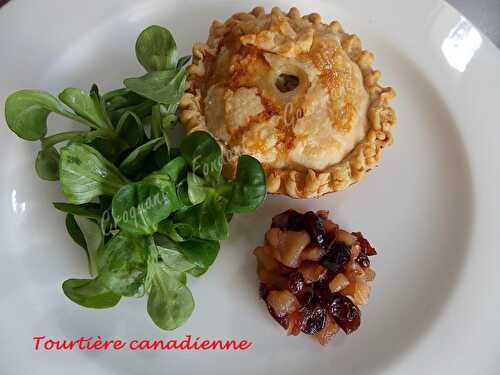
(485, 14)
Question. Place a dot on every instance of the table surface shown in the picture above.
(484, 14)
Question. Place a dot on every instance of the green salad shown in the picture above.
(158, 211)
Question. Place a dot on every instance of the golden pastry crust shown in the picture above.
(320, 134)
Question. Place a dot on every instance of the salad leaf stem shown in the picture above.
(48, 142)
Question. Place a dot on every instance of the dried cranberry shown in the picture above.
(288, 220)
(322, 293)
(365, 245)
(363, 260)
(296, 283)
(263, 291)
(314, 226)
(314, 320)
(306, 295)
(336, 259)
(323, 281)
(296, 222)
(345, 312)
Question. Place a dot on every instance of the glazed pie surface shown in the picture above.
(299, 95)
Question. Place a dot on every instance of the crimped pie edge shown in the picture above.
(308, 183)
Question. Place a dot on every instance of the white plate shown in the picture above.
(432, 208)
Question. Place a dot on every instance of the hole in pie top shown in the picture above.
(287, 82)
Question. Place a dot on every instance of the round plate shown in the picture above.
(431, 208)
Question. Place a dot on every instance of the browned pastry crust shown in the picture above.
(321, 148)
